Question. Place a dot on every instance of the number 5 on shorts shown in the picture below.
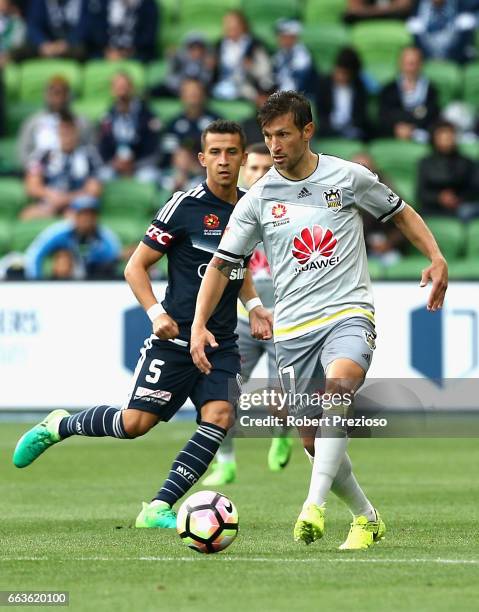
(155, 369)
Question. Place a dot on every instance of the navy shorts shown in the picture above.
(165, 377)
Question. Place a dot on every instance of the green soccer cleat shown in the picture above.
(159, 516)
(310, 524)
(364, 533)
(280, 453)
(221, 474)
(36, 441)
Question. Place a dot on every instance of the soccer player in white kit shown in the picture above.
(307, 212)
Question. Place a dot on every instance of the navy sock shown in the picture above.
(98, 422)
(191, 462)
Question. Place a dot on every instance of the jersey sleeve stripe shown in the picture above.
(162, 212)
(229, 256)
(389, 214)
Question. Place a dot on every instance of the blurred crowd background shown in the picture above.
(102, 103)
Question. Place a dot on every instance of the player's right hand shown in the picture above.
(201, 337)
(165, 327)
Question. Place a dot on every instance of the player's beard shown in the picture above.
(293, 163)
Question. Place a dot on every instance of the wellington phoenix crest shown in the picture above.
(333, 198)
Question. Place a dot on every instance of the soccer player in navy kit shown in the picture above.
(189, 229)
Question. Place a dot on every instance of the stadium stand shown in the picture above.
(127, 205)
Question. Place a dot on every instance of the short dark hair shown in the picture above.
(283, 102)
(223, 126)
(66, 116)
(259, 148)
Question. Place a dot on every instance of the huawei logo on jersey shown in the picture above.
(211, 221)
(313, 249)
(278, 210)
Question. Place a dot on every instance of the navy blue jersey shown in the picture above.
(188, 228)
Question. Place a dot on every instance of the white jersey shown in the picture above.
(312, 233)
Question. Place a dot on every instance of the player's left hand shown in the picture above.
(437, 273)
(261, 323)
(201, 337)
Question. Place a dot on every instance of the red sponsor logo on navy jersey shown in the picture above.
(159, 235)
(211, 221)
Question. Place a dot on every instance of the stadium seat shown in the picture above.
(340, 147)
(398, 158)
(469, 149)
(129, 231)
(407, 268)
(324, 42)
(380, 41)
(464, 269)
(381, 72)
(34, 75)
(166, 108)
(472, 247)
(11, 79)
(471, 83)
(9, 163)
(12, 197)
(98, 75)
(235, 110)
(324, 11)
(5, 236)
(17, 112)
(24, 232)
(450, 235)
(405, 187)
(156, 73)
(268, 11)
(447, 77)
(199, 12)
(128, 198)
(376, 270)
(91, 108)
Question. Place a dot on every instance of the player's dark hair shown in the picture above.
(259, 148)
(282, 103)
(66, 116)
(223, 126)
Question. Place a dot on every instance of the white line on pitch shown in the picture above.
(255, 560)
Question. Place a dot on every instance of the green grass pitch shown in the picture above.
(66, 524)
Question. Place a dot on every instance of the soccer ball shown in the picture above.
(207, 522)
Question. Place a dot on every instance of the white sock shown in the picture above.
(158, 502)
(328, 455)
(226, 452)
(347, 488)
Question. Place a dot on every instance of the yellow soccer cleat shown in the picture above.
(310, 524)
(364, 533)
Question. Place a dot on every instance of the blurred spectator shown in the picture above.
(409, 105)
(243, 64)
(251, 126)
(444, 30)
(293, 67)
(12, 31)
(123, 29)
(82, 248)
(58, 176)
(341, 99)
(194, 60)
(40, 131)
(57, 28)
(384, 242)
(462, 116)
(259, 162)
(128, 135)
(359, 10)
(447, 180)
(184, 172)
(185, 130)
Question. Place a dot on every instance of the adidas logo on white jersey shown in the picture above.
(304, 193)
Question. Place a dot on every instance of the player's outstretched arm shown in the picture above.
(416, 231)
(260, 318)
(212, 287)
(136, 274)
